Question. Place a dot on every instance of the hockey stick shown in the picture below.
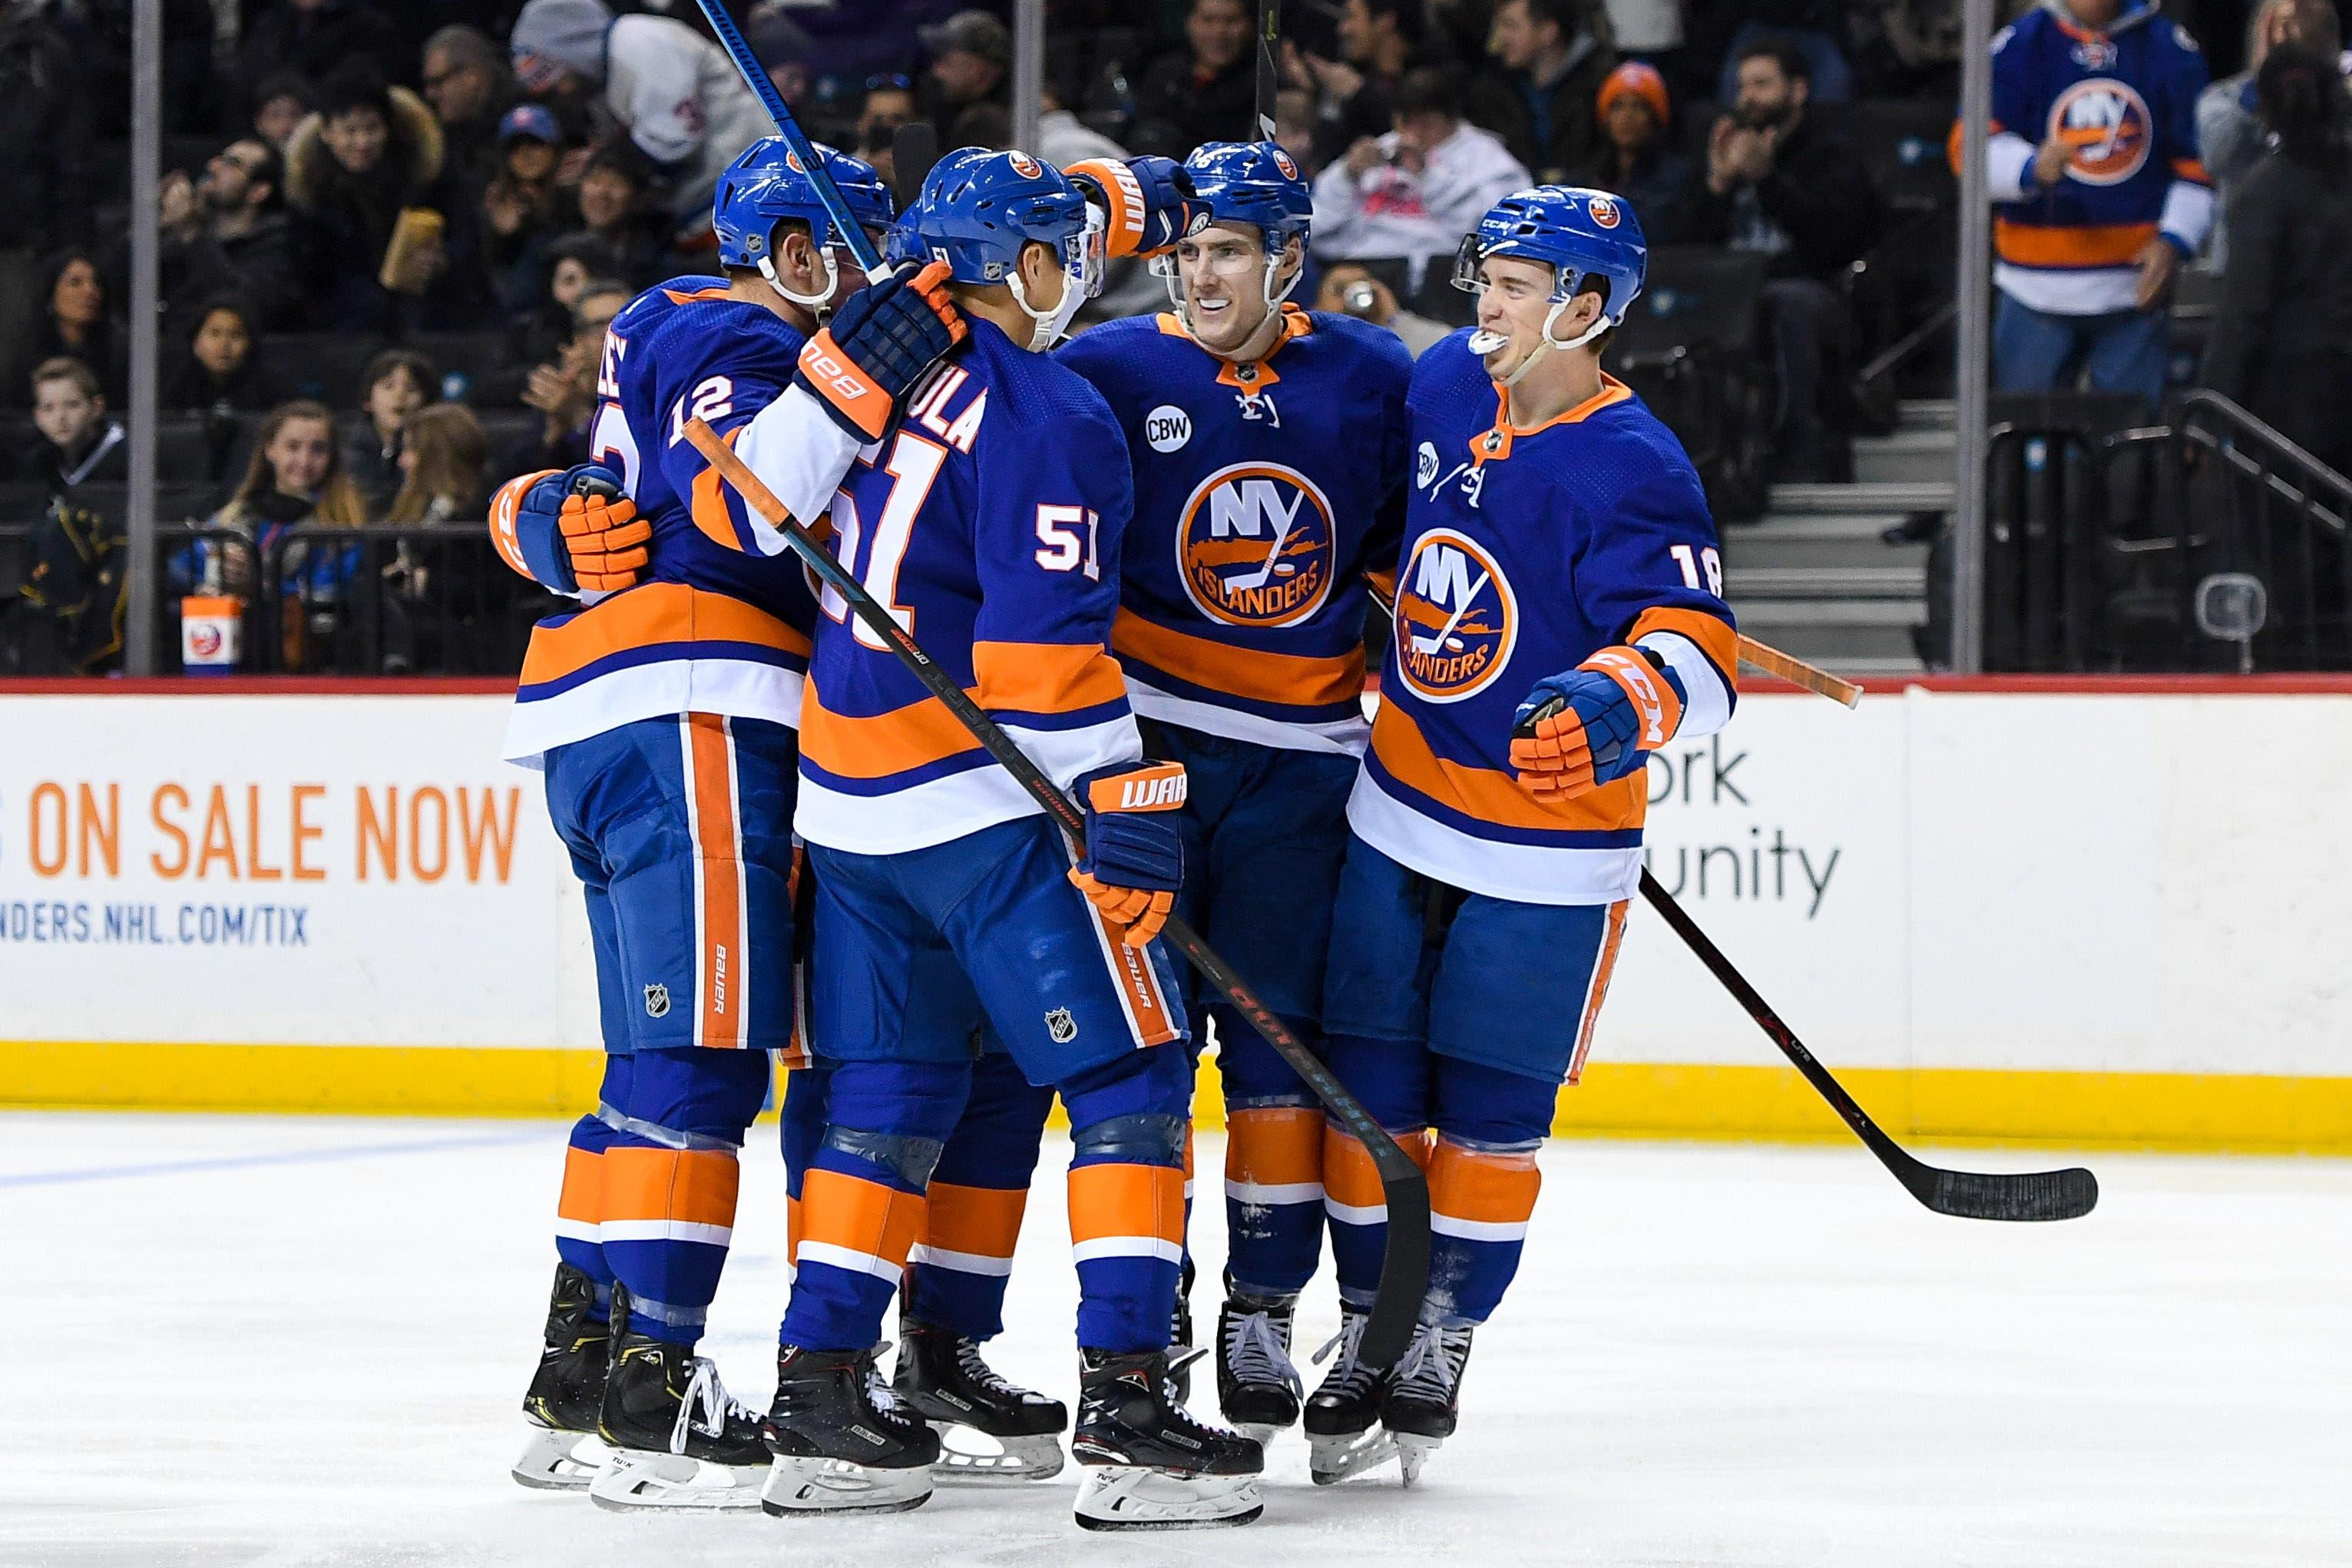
(1797, 672)
(1269, 80)
(1969, 1194)
(1404, 1264)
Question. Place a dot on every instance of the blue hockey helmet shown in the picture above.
(1256, 183)
(768, 186)
(978, 209)
(1582, 235)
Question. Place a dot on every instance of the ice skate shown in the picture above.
(1425, 1394)
(1258, 1387)
(1181, 1347)
(990, 1429)
(842, 1440)
(1150, 1464)
(564, 1452)
(678, 1439)
(1344, 1437)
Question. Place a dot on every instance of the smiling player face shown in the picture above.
(1512, 308)
(1222, 271)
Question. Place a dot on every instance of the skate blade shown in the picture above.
(968, 1457)
(560, 1461)
(1262, 1433)
(639, 1482)
(1413, 1452)
(805, 1488)
(1342, 1456)
(1131, 1497)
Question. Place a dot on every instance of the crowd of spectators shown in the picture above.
(500, 176)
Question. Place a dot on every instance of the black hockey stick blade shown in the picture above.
(914, 148)
(1967, 1194)
(1405, 1264)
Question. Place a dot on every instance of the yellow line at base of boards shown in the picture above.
(2190, 1111)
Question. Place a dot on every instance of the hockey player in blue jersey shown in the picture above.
(1270, 461)
(990, 523)
(663, 713)
(1559, 615)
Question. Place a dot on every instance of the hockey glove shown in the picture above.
(1134, 862)
(1593, 724)
(1149, 202)
(570, 530)
(878, 342)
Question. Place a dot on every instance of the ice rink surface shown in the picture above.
(289, 1340)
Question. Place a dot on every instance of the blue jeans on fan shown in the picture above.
(2122, 350)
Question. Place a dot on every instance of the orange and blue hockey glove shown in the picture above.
(1134, 864)
(1594, 724)
(1147, 204)
(570, 530)
(879, 342)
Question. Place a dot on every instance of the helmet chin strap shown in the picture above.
(819, 304)
(1049, 324)
(1496, 340)
(1182, 298)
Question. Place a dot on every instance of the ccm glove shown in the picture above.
(1593, 724)
(1135, 858)
(1149, 202)
(570, 530)
(878, 342)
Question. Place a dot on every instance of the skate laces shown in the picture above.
(1257, 1352)
(1348, 1374)
(970, 1362)
(1433, 1362)
(708, 1398)
(878, 1391)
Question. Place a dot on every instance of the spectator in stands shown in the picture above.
(1553, 60)
(46, 128)
(2230, 135)
(313, 38)
(969, 53)
(1063, 138)
(1781, 183)
(564, 392)
(573, 264)
(651, 80)
(280, 104)
(293, 477)
(523, 206)
(444, 465)
(1294, 128)
(1634, 160)
(78, 443)
(70, 320)
(1814, 29)
(889, 103)
(352, 171)
(1206, 92)
(1349, 289)
(227, 233)
(398, 384)
(1356, 94)
(221, 369)
(612, 201)
(1416, 191)
(2282, 342)
(2089, 225)
(465, 80)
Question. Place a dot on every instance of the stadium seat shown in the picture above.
(1903, 141)
(22, 503)
(474, 367)
(326, 366)
(1690, 347)
(183, 449)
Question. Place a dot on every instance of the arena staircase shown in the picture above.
(1817, 578)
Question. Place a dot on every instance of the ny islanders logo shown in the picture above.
(1256, 546)
(1604, 212)
(1456, 619)
(2107, 126)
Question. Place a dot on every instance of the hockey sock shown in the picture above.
(862, 1202)
(1357, 1209)
(669, 1215)
(1273, 1197)
(1479, 1200)
(957, 1274)
(1128, 1120)
(802, 1128)
(580, 1210)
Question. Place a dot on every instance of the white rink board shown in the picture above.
(2105, 882)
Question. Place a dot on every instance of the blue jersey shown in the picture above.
(990, 522)
(1525, 551)
(2125, 101)
(1260, 502)
(715, 625)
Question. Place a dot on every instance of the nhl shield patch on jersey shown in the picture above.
(657, 1001)
(1061, 1026)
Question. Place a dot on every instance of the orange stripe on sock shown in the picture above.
(698, 1185)
(860, 1216)
(983, 1220)
(792, 1230)
(1275, 1145)
(1476, 1184)
(1350, 1176)
(1127, 1199)
(582, 1198)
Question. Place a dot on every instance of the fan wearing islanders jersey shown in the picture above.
(1269, 455)
(663, 713)
(989, 523)
(1559, 615)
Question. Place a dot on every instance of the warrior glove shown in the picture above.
(1148, 203)
(1134, 862)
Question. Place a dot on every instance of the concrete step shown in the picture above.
(1846, 648)
(1926, 414)
(1839, 581)
(1875, 498)
(1781, 615)
(1912, 456)
(1763, 547)
(1814, 528)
